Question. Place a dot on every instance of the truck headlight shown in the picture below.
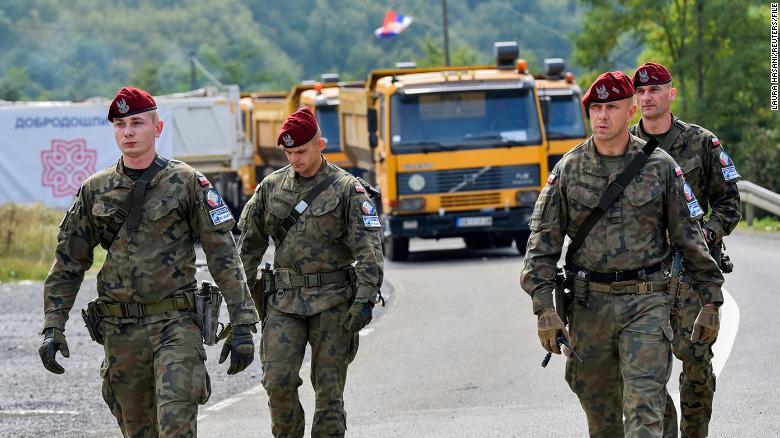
(417, 182)
(526, 198)
(411, 204)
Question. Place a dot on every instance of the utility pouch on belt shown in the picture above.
(563, 295)
(208, 302)
(92, 320)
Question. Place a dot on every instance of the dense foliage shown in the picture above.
(82, 48)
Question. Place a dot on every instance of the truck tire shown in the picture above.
(477, 241)
(397, 248)
(502, 240)
(521, 240)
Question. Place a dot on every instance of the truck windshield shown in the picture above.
(328, 119)
(562, 117)
(456, 120)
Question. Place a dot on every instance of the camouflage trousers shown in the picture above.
(624, 340)
(154, 377)
(282, 349)
(697, 380)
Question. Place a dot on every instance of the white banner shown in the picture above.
(48, 150)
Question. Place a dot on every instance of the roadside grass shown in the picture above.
(768, 224)
(28, 237)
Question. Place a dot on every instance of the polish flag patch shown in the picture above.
(715, 141)
(677, 171)
(551, 178)
(203, 181)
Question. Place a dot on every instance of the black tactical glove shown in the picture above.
(53, 341)
(358, 316)
(240, 346)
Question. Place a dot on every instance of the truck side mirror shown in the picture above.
(372, 127)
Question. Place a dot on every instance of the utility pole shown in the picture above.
(446, 33)
(192, 70)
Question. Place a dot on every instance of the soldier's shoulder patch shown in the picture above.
(359, 188)
(729, 170)
(212, 198)
(694, 209)
(257, 188)
(368, 208)
(551, 178)
(677, 171)
(715, 141)
(203, 181)
(371, 222)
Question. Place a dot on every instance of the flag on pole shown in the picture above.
(393, 25)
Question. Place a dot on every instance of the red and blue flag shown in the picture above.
(393, 25)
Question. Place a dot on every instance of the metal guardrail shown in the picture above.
(753, 196)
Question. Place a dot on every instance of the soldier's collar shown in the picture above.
(591, 163)
(293, 184)
(120, 178)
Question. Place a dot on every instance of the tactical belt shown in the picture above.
(181, 300)
(288, 279)
(639, 288)
(616, 276)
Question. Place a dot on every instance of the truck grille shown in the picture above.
(470, 180)
(470, 199)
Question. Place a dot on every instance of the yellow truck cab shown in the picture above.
(323, 99)
(562, 111)
(456, 151)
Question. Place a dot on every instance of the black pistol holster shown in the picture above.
(563, 295)
(92, 320)
(208, 302)
(264, 287)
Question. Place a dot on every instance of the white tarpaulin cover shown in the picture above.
(47, 151)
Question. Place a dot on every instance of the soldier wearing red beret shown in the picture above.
(712, 176)
(326, 277)
(147, 212)
(618, 316)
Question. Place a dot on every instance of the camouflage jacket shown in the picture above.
(152, 262)
(340, 227)
(710, 172)
(631, 235)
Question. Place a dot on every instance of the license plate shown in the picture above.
(476, 221)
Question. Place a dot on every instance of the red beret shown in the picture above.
(651, 73)
(609, 86)
(298, 129)
(130, 101)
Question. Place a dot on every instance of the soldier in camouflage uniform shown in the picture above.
(154, 375)
(619, 319)
(316, 296)
(711, 174)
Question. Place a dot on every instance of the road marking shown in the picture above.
(729, 325)
(25, 412)
(216, 407)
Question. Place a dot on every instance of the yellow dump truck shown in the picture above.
(323, 98)
(263, 113)
(562, 111)
(456, 151)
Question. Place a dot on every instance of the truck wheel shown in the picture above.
(521, 240)
(397, 248)
(502, 240)
(477, 241)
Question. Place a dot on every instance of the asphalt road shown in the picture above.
(455, 354)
